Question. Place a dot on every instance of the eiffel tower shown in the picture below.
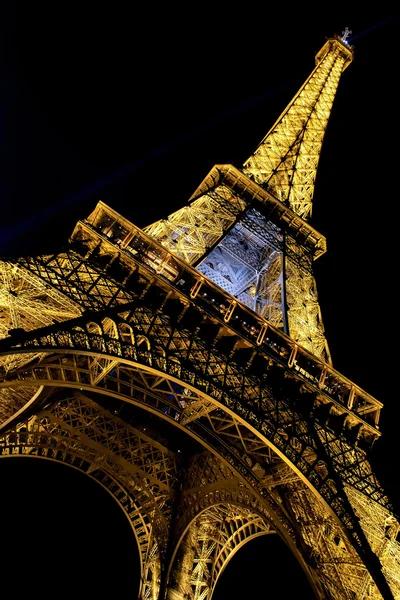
(185, 368)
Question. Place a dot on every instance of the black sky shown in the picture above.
(135, 109)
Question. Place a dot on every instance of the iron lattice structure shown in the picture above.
(185, 368)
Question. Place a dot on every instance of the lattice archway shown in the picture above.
(146, 384)
(209, 543)
(50, 435)
(171, 397)
(92, 360)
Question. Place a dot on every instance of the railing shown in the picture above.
(130, 242)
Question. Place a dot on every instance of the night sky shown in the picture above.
(134, 109)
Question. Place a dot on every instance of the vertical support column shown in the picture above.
(181, 576)
(150, 583)
(301, 301)
(283, 287)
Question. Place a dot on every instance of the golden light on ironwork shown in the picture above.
(209, 322)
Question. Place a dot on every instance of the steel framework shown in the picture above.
(185, 368)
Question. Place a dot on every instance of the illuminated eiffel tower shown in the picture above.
(185, 368)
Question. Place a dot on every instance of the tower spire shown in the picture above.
(185, 369)
(246, 229)
(286, 160)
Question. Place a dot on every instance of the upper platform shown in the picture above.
(266, 203)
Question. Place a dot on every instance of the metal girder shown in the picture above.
(136, 470)
(211, 541)
(287, 158)
(204, 364)
(304, 313)
(317, 452)
(125, 314)
(91, 285)
(216, 502)
(27, 302)
(234, 258)
(190, 231)
(286, 163)
(200, 363)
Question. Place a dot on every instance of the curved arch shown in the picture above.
(93, 327)
(207, 397)
(36, 395)
(251, 405)
(126, 333)
(143, 340)
(119, 495)
(50, 375)
(144, 349)
(15, 401)
(211, 486)
(75, 519)
(78, 362)
(46, 436)
(110, 327)
(211, 540)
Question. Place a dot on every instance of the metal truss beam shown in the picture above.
(286, 160)
(136, 470)
(207, 322)
(315, 451)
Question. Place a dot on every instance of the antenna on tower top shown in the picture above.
(345, 35)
